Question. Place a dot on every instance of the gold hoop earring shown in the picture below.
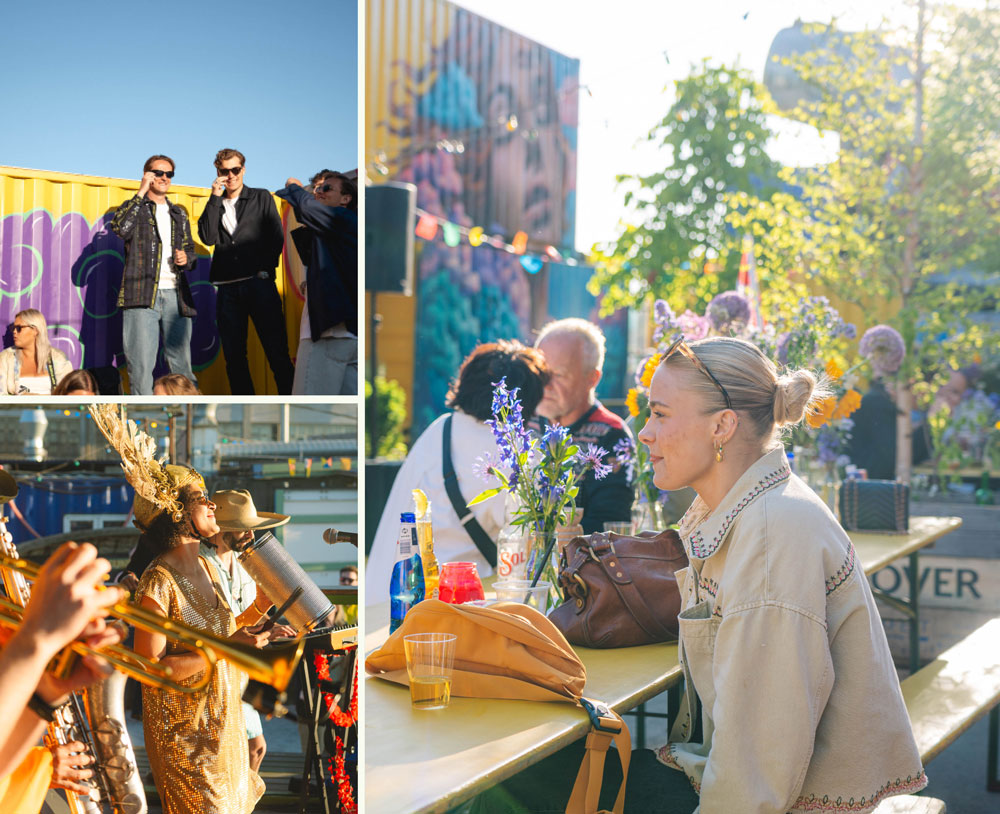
(718, 454)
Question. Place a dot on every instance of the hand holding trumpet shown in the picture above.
(68, 601)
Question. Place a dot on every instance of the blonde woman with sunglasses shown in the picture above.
(32, 366)
(792, 701)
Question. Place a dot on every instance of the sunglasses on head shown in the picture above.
(681, 347)
(227, 171)
(161, 173)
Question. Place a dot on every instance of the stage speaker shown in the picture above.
(390, 217)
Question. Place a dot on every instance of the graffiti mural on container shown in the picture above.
(483, 121)
(71, 271)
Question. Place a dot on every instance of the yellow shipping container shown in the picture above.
(58, 255)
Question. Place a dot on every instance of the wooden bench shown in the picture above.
(945, 698)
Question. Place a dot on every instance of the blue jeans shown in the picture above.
(326, 368)
(142, 329)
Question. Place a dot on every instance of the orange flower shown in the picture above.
(850, 402)
(632, 401)
(822, 412)
(647, 372)
(833, 370)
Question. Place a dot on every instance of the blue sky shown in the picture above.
(96, 88)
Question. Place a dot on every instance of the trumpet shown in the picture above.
(273, 666)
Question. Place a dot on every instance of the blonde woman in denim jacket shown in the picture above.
(801, 709)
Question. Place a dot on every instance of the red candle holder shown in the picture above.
(460, 583)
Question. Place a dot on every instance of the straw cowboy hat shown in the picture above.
(234, 511)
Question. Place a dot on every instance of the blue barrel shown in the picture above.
(45, 500)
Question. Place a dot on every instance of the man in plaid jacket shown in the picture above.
(155, 296)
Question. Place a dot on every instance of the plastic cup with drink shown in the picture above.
(430, 661)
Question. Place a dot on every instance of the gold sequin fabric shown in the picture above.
(200, 762)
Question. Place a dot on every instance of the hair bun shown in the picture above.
(792, 395)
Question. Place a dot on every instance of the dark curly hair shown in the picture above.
(524, 368)
(164, 534)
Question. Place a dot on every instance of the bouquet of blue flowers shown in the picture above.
(542, 474)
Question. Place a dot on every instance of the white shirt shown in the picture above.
(422, 469)
(229, 214)
(37, 385)
(167, 277)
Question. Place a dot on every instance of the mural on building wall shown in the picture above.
(483, 121)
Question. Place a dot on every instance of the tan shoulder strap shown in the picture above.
(607, 726)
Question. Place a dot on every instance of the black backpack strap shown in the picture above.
(486, 546)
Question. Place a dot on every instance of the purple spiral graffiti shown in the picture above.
(71, 272)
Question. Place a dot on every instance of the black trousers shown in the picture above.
(545, 787)
(255, 299)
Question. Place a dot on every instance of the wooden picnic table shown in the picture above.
(425, 762)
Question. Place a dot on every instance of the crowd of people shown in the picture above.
(243, 226)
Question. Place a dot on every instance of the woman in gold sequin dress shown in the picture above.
(197, 742)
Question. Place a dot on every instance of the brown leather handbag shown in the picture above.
(620, 591)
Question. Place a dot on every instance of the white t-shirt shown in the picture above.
(167, 277)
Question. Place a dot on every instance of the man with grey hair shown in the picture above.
(574, 352)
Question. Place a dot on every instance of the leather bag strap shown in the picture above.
(606, 556)
(587, 788)
(468, 520)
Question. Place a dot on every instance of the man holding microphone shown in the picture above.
(243, 225)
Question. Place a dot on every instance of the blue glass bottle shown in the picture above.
(406, 586)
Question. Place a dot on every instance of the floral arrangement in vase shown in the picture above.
(542, 474)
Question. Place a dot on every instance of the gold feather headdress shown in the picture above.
(157, 486)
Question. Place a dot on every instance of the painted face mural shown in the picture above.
(483, 121)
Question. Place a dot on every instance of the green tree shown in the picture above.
(391, 415)
(902, 221)
(713, 138)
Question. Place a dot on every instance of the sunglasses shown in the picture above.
(227, 171)
(326, 188)
(203, 499)
(18, 328)
(681, 347)
(161, 173)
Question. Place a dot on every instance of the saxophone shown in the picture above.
(95, 716)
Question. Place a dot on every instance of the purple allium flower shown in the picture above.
(693, 326)
(728, 309)
(593, 456)
(883, 346)
(849, 330)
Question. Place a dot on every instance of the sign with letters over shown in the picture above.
(962, 583)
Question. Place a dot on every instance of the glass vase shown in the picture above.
(546, 567)
(647, 516)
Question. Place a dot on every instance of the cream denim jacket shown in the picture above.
(781, 639)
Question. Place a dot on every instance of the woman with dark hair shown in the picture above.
(471, 397)
(196, 742)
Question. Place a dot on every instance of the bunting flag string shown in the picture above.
(428, 225)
